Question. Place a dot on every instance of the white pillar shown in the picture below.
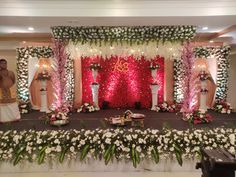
(203, 96)
(94, 89)
(43, 94)
(94, 74)
(154, 73)
(154, 89)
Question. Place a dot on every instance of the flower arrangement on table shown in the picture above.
(198, 116)
(153, 67)
(87, 108)
(95, 66)
(24, 107)
(204, 90)
(44, 75)
(165, 107)
(222, 107)
(203, 76)
(57, 117)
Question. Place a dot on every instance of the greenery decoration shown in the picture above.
(23, 55)
(124, 34)
(221, 53)
(132, 145)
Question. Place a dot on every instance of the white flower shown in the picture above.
(108, 134)
(82, 142)
(48, 150)
(58, 148)
(108, 140)
(232, 139)
(129, 137)
(72, 149)
(138, 148)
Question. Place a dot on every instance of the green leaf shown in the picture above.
(62, 155)
(179, 158)
(155, 155)
(133, 157)
(84, 152)
(17, 159)
(41, 157)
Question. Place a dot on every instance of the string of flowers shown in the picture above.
(59, 75)
(124, 34)
(190, 82)
(222, 106)
(70, 80)
(178, 81)
(112, 144)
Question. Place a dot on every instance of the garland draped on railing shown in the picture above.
(120, 35)
(23, 55)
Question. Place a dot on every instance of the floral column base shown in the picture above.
(154, 89)
(94, 88)
(43, 95)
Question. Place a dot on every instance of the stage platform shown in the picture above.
(95, 120)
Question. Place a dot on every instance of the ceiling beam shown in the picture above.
(225, 31)
(27, 37)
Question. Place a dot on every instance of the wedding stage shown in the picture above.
(153, 120)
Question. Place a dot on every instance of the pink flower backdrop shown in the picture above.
(122, 81)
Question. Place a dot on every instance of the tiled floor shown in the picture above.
(105, 174)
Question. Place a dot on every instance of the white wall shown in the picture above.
(232, 82)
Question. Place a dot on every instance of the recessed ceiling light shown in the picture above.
(205, 28)
(30, 28)
(211, 41)
(23, 42)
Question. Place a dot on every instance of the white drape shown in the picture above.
(212, 67)
(32, 69)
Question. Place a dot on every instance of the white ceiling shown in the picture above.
(17, 15)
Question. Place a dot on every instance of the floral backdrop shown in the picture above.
(123, 81)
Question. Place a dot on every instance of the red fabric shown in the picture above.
(122, 81)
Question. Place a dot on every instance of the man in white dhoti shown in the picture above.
(9, 110)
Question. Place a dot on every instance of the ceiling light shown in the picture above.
(211, 41)
(23, 42)
(205, 28)
(30, 28)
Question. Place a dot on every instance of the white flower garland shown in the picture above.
(124, 34)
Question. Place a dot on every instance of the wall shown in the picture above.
(10, 56)
(232, 82)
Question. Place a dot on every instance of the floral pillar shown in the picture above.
(43, 95)
(94, 88)
(154, 89)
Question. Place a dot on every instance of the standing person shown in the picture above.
(9, 110)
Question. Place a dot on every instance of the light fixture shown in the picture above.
(205, 28)
(30, 28)
(211, 41)
(23, 42)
